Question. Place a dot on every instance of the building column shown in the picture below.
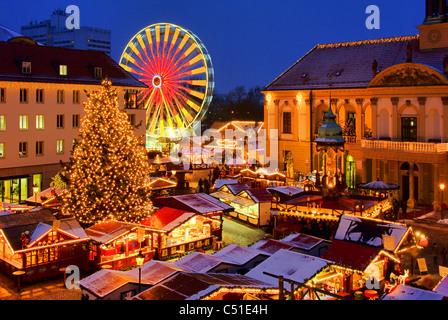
(364, 171)
(374, 106)
(395, 119)
(412, 203)
(445, 119)
(386, 171)
(359, 120)
(374, 169)
(436, 204)
(421, 122)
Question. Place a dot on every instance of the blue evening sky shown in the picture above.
(251, 42)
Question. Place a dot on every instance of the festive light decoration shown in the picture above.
(108, 170)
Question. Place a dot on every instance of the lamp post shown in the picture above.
(35, 191)
(140, 258)
(442, 188)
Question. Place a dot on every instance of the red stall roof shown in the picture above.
(167, 218)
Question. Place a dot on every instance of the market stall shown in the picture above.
(117, 243)
(183, 231)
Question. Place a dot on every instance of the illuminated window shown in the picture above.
(2, 122)
(40, 122)
(23, 95)
(62, 70)
(23, 122)
(60, 146)
(131, 118)
(2, 149)
(23, 149)
(60, 96)
(26, 67)
(52, 235)
(39, 95)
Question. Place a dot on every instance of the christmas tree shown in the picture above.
(108, 171)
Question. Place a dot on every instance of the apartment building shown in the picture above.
(42, 91)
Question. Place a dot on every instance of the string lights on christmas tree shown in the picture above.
(108, 172)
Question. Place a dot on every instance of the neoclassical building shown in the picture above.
(389, 95)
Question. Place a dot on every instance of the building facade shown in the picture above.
(42, 91)
(53, 32)
(390, 98)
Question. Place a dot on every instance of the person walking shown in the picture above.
(435, 254)
(444, 254)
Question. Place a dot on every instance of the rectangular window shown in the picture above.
(286, 122)
(23, 95)
(62, 70)
(39, 148)
(75, 121)
(75, 96)
(23, 122)
(26, 67)
(40, 122)
(2, 123)
(2, 94)
(60, 96)
(39, 95)
(98, 72)
(60, 121)
(23, 149)
(60, 146)
(2, 149)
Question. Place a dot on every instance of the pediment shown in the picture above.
(408, 75)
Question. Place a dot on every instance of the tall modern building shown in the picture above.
(53, 32)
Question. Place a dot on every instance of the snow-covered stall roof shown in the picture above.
(239, 254)
(195, 286)
(154, 271)
(201, 262)
(167, 218)
(402, 292)
(291, 265)
(368, 231)
(442, 286)
(104, 232)
(302, 241)
(270, 246)
(106, 281)
(220, 182)
(287, 190)
(195, 202)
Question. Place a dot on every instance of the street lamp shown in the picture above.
(140, 258)
(35, 191)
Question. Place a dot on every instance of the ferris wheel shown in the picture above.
(177, 68)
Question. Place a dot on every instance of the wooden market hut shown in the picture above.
(261, 178)
(38, 244)
(183, 231)
(196, 203)
(118, 243)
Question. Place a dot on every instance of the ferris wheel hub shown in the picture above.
(157, 81)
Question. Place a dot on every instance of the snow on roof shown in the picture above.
(200, 262)
(195, 286)
(106, 281)
(226, 196)
(220, 182)
(195, 202)
(154, 271)
(234, 188)
(270, 246)
(239, 254)
(288, 190)
(167, 218)
(105, 231)
(368, 231)
(291, 265)
(40, 230)
(302, 241)
(402, 292)
(73, 227)
(259, 195)
(442, 286)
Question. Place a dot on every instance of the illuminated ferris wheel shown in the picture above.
(178, 71)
